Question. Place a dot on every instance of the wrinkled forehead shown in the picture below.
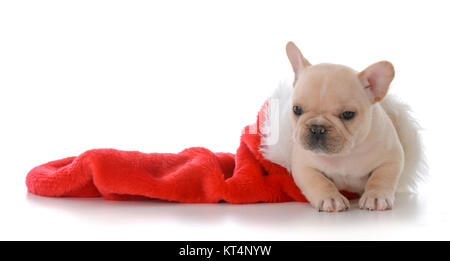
(328, 85)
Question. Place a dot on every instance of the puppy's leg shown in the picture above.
(380, 188)
(319, 190)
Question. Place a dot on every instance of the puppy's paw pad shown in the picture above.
(333, 203)
(374, 200)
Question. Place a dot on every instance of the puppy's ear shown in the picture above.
(376, 79)
(298, 62)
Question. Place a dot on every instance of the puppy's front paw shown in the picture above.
(332, 203)
(376, 200)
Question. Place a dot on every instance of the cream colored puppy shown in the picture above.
(343, 139)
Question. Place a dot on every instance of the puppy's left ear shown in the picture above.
(376, 79)
(298, 62)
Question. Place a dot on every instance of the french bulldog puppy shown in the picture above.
(343, 139)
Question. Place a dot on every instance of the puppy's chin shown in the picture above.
(322, 148)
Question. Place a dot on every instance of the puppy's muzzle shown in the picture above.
(317, 132)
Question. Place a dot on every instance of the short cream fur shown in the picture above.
(376, 154)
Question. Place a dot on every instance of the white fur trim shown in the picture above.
(408, 131)
(276, 128)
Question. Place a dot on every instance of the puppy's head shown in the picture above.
(332, 104)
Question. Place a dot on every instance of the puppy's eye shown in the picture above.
(297, 110)
(347, 115)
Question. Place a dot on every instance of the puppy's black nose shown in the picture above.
(318, 131)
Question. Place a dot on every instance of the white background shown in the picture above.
(161, 76)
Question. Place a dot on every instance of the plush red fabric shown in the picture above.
(195, 175)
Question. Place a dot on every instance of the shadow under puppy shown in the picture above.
(344, 135)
